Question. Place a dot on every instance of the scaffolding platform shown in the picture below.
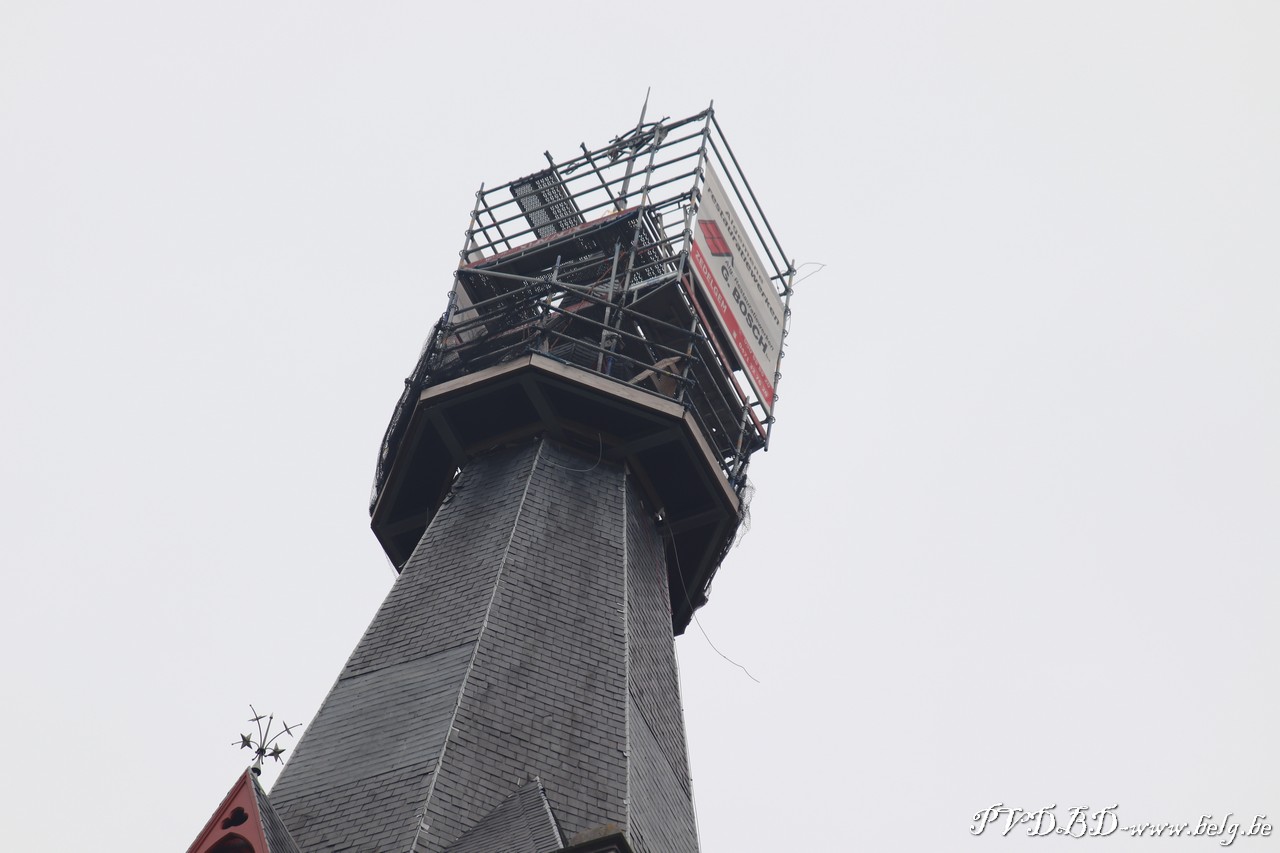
(632, 302)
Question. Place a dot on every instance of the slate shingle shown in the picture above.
(522, 823)
(527, 637)
(273, 828)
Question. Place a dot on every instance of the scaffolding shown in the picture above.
(591, 262)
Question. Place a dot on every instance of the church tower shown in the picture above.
(558, 485)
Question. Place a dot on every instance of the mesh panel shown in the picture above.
(545, 203)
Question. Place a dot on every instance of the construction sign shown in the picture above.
(733, 279)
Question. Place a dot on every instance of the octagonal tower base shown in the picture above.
(517, 690)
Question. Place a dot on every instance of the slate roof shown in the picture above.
(529, 637)
(273, 828)
(522, 823)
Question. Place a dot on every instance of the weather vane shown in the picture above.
(264, 746)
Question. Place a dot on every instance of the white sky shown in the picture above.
(1016, 539)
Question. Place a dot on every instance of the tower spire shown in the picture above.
(558, 485)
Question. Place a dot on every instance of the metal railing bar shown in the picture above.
(763, 243)
(719, 354)
(565, 170)
(530, 230)
(521, 213)
(497, 226)
(596, 170)
(597, 348)
(507, 202)
(624, 334)
(725, 140)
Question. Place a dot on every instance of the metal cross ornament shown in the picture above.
(264, 746)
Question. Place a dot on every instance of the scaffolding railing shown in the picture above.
(588, 262)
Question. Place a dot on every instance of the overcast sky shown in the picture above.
(1015, 540)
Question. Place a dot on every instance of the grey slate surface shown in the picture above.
(273, 828)
(527, 637)
(660, 790)
(546, 696)
(522, 823)
(396, 695)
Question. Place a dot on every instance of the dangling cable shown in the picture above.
(694, 613)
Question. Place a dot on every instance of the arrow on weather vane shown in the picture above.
(264, 745)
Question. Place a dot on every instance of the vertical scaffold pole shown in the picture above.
(691, 212)
(631, 163)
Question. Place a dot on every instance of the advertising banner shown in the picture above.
(733, 279)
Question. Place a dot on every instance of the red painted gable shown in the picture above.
(236, 827)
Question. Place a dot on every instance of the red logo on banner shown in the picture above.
(759, 378)
(715, 239)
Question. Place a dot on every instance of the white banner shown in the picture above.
(734, 280)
